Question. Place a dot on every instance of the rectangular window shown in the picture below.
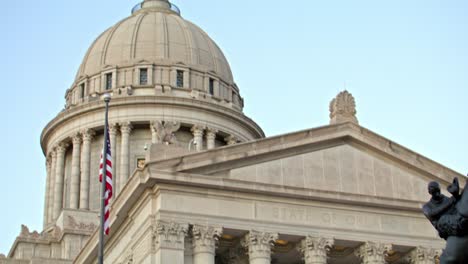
(82, 90)
(108, 81)
(180, 79)
(143, 76)
(211, 88)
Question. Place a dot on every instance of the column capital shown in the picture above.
(198, 129)
(373, 252)
(126, 128)
(422, 255)
(169, 235)
(231, 140)
(205, 238)
(113, 128)
(210, 130)
(315, 249)
(88, 134)
(259, 244)
(61, 147)
(76, 139)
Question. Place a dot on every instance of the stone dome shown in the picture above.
(155, 33)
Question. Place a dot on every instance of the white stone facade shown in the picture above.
(195, 180)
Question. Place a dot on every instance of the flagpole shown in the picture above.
(107, 99)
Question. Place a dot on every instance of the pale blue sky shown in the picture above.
(406, 63)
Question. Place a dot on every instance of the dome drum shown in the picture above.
(149, 80)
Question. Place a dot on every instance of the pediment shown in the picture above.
(341, 159)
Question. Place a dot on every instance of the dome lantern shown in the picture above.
(160, 5)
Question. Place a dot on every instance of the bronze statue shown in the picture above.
(449, 216)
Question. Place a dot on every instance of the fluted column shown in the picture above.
(51, 190)
(124, 170)
(259, 246)
(88, 135)
(197, 131)
(230, 140)
(421, 255)
(75, 173)
(315, 249)
(113, 130)
(168, 242)
(59, 175)
(211, 138)
(47, 194)
(204, 243)
(373, 253)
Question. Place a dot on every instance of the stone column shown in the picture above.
(75, 173)
(259, 246)
(421, 255)
(124, 169)
(210, 138)
(230, 140)
(51, 190)
(88, 135)
(204, 243)
(373, 253)
(113, 129)
(197, 131)
(47, 194)
(59, 175)
(168, 242)
(315, 249)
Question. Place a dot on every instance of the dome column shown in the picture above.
(88, 135)
(59, 177)
(47, 193)
(75, 173)
(124, 169)
(197, 131)
(50, 207)
(211, 138)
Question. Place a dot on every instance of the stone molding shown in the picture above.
(315, 249)
(422, 255)
(259, 244)
(373, 252)
(169, 235)
(205, 238)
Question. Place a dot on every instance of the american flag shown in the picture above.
(108, 192)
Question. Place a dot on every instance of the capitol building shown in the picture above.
(197, 182)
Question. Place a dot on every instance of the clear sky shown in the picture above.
(406, 63)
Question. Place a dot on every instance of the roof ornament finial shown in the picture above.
(343, 109)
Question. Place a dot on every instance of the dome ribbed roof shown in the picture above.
(155, 35)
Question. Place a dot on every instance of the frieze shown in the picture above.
(347, 219)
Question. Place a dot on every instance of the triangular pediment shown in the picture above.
(343, 159)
